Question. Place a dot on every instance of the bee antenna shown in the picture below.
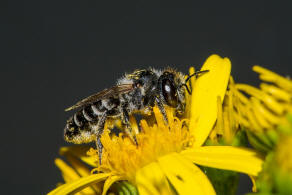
(196, 74)
(185, 85)
(190, 76)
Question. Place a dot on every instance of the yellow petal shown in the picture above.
(79, 167)
(276, 92)
(264, 112)
(269, 76)
(185, 177)
(204, 98)
(151, 180)
(110, 180)
(188, 96)
(83, 171)
(258, 113)
(66, 170)
(80, 152)
(253, 180)
(79, 184)
(268, 100)
(69, 174)
(226, 157)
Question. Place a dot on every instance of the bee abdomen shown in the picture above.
(78, 135)
(98, 108)
(79, 119)
(108, 105)
(79, 127)
(78, 130)
(89, 114)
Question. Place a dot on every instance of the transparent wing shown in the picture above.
(106, 93)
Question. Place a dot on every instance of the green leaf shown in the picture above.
(240, 139)
(224, 182)
(260, 142)
(124, 188)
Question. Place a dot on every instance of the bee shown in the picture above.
(134, 93)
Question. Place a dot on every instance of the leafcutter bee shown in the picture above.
(137, 92)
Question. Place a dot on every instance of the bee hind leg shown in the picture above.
(99, 131)
(99, 147)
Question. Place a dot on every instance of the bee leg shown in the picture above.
(126, 121)
(99, 147)
(100, 128)
(162, 110)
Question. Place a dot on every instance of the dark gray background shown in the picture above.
(55, 52)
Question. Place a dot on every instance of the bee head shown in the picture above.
(171, 90)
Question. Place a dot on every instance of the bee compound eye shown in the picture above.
(169, 93)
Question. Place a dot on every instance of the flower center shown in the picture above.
(122, 157)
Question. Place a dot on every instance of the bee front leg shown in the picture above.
(126, 122)
(162, 109)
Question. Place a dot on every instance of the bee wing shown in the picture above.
(114, 91)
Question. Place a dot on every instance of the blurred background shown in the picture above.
(54, 53)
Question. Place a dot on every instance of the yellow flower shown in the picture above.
(266, 107)
(165, 160)
(276, 176)
(258, 111)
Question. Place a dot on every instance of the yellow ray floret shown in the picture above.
(206, 89)
(264, 108)
(226, 157)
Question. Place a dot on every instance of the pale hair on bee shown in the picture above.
(135, 92)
